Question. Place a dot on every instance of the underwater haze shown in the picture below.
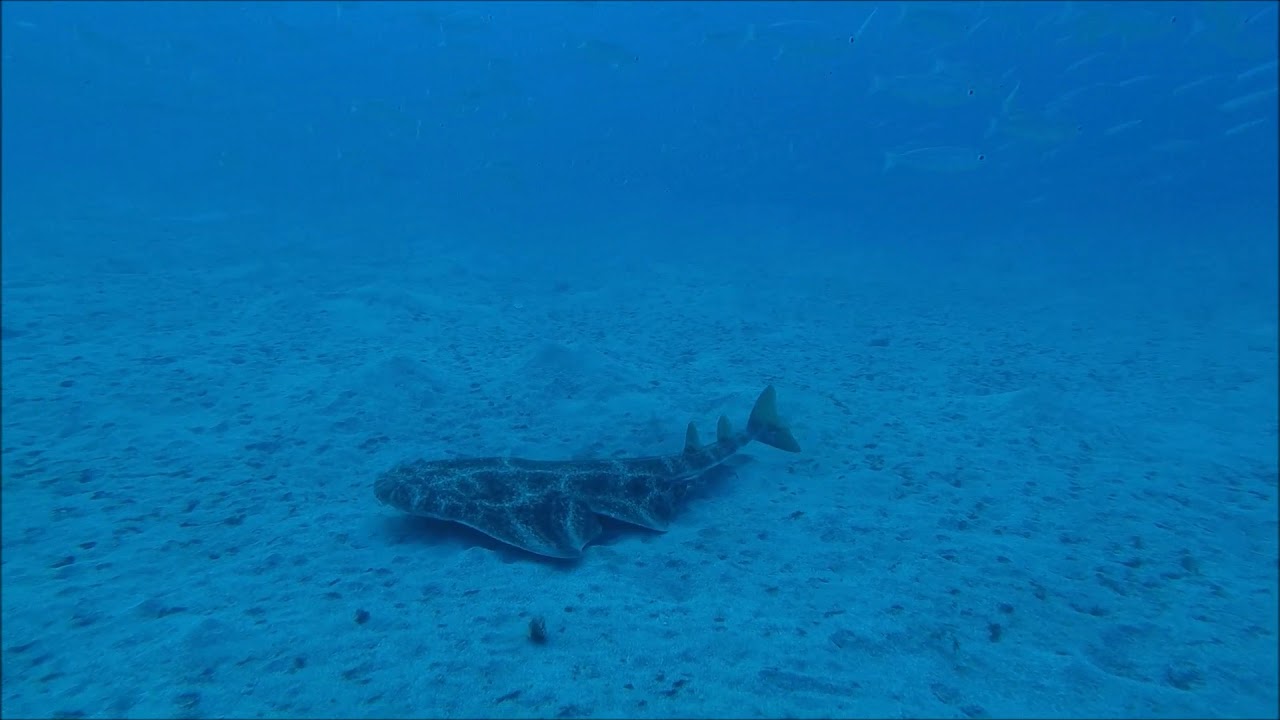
(639, 359)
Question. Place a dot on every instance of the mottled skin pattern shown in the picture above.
(550, 507)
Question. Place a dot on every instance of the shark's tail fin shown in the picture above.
(765, 426)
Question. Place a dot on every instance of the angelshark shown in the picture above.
(551, 507)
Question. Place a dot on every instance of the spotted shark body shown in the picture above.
(551, 507)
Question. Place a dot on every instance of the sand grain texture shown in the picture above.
(1037, 497)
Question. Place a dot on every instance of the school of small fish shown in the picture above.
(1095, 96)
(953, 104)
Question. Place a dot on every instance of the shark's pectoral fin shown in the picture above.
(647, 506)
(552, 524)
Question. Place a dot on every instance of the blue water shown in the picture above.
(1012, 268)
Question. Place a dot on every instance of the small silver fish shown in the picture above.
(1037, 128)
(1237, 103)
(945, 159)
(1257, 70)
(1236, 130)
(1121, 127)
(941, 88)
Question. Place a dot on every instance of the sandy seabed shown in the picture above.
(1043, 493)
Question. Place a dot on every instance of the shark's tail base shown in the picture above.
(765, 425)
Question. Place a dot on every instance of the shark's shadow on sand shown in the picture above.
(554, 508)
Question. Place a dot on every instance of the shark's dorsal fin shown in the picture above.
(691, 442)
(724, 431)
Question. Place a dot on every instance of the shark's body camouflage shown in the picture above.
(550, 507)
